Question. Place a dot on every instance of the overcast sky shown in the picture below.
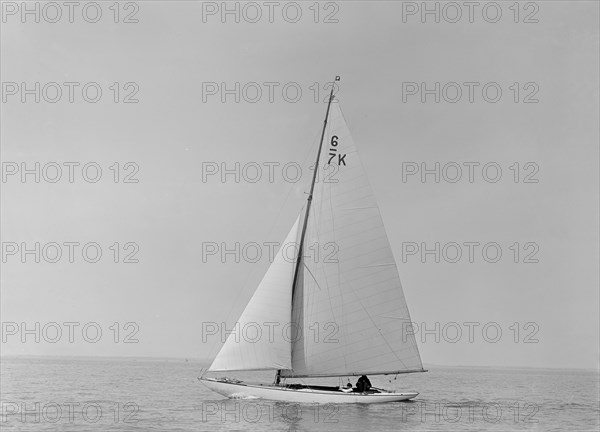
(179, 128)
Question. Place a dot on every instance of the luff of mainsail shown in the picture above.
(271, 302)
(355, 301)
(296, 281)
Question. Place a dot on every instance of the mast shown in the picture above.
(308, 204)
(312, 188)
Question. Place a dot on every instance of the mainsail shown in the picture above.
(346, 302)
(271, 303)
(349, 305)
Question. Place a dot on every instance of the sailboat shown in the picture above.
(357, 296)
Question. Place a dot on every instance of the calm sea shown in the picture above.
(67, 394)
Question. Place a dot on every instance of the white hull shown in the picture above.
(241, 390)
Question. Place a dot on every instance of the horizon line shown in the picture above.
(206, 360)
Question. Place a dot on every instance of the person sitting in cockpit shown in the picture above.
(363, 384)
(347, 389)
